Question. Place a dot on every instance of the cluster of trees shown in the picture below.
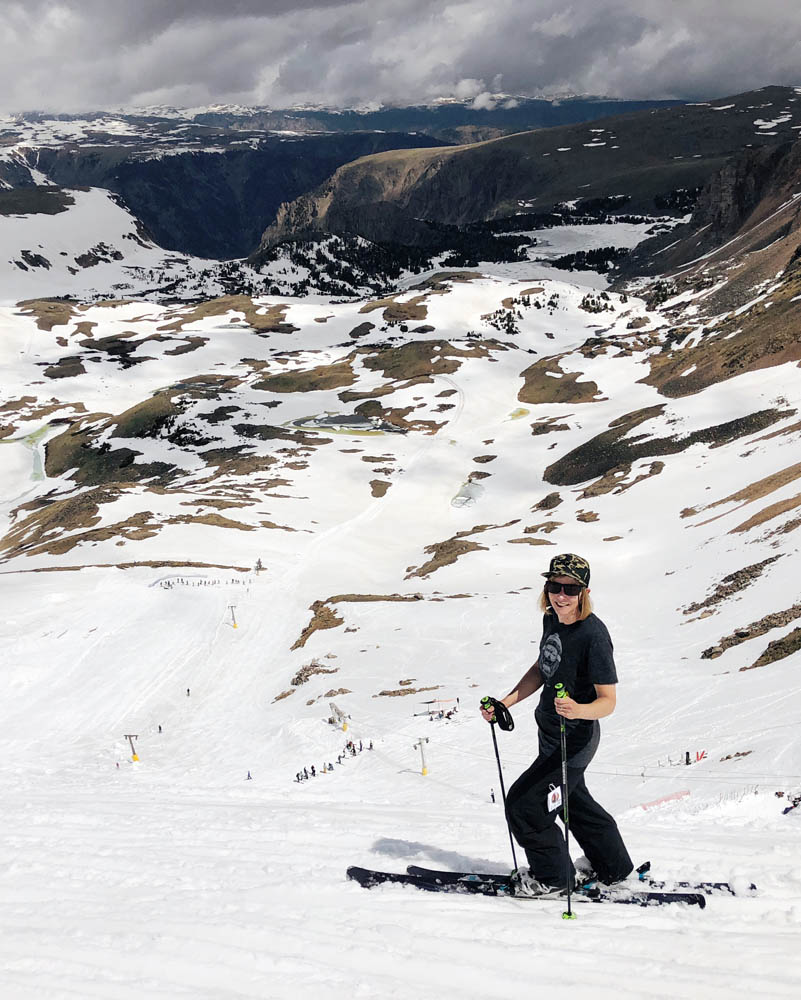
(602, 259)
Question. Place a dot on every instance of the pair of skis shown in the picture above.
(652, 893)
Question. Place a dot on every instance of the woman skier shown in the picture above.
(575, 651)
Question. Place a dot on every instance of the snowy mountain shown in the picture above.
(647, 160)
(224, 521)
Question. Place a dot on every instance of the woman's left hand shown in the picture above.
(567, 708)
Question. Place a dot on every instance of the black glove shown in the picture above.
(501, 713)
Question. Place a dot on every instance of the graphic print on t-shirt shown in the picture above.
(550, 656)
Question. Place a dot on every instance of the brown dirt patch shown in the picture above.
(776, 620)
(443, 554)
(213, 520)
(779, 649)
(147, 563)
(415, 359)
(759, 338)
(401, 692)
(379, 487)
(528, 540)
(546, 527)
(547, 425)
(263, 319)
(48, 312)
(311, 670)
(189, 344)
(540, 385)
(754, 491)
(323, 617)
(399, 312)
(768, 513)
(333, 376)
(68, 367)
(732, 584)
(548, 502)
(61, 525)
(447, 552)
(239, 462)
(615, 481)
(792, 429)
(366, 598)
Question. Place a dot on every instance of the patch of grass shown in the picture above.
(540, 385)
(38, 200)
(334, 376)
(68, 367)
(768, 513)
(48, 312)
(57, 526)
(263, 320)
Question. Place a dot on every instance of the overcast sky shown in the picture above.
(92, 54)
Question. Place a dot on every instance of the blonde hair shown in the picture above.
(584, 604)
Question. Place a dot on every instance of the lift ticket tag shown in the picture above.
(554, 798)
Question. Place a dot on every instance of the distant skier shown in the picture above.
(576, 651)
(492, 795)
(249, 778)
(313, 772)
(306, 774)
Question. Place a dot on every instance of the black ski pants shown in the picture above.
(536, 830)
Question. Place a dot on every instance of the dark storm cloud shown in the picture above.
(81, 54)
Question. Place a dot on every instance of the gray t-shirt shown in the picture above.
(579, 656)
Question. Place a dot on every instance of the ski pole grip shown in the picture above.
(501, 713)
(561, 691)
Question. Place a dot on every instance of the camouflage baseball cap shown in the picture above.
(569, 564)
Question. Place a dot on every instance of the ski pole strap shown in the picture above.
(501, 713)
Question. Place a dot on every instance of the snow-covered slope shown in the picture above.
(402, 470)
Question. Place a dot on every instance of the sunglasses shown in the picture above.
(570, 589)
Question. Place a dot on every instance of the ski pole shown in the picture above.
(561, 692)
(503, 717)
